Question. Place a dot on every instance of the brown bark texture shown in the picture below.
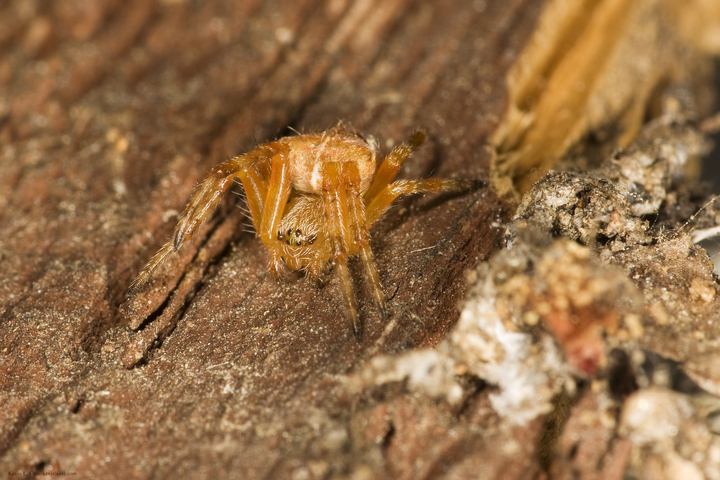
(111, 112)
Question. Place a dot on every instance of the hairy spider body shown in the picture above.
(312, 199)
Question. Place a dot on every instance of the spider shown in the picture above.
(312, 199)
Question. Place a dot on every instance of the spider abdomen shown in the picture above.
(309, 155)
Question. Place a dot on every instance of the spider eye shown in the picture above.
(289, 232)
(279, 236)
(298, 232)
(298, 243)
(311, 240)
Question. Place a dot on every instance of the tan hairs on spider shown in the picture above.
(312, 199)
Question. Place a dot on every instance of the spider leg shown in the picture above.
(276, 198)
(203, 202)
(362, 237)
(392, 163)
(256, 189)
(340, 233)
(379, 204)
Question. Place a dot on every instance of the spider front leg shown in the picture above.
(205, 200)
(341, 236)
(276, 199)
(362, 236)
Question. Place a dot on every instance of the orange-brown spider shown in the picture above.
(312, 198)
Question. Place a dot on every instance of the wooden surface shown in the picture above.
(111, 112)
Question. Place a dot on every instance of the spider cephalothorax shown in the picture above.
(312, 199)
